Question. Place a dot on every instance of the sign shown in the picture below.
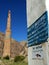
(37, 52)
(38, 31)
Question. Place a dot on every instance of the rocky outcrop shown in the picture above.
(24, 50)
(1, 43)
(16, 48)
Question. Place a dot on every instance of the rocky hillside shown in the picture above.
(17, 48)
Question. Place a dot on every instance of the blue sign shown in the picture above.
(38, 31)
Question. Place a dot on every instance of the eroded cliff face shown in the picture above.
(1, 43)
(16, 48)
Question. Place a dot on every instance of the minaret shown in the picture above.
(7, 40)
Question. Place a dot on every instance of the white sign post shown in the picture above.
(37, 32)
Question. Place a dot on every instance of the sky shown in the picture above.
(18, 18)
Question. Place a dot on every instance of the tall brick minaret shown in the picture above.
(7, 41)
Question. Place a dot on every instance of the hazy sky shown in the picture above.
(18, 18)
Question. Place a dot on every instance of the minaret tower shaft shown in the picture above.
(7, 40)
